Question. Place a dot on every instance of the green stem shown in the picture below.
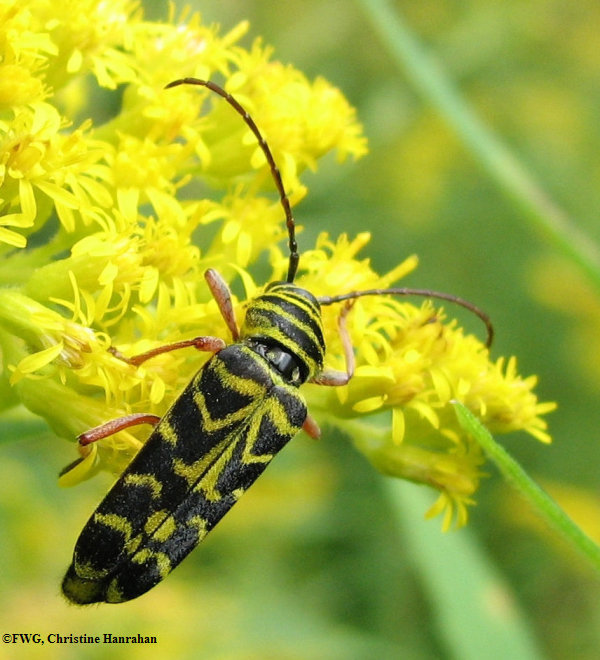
(540, 501)
(435, 86)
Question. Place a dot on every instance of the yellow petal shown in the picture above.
(369, 405)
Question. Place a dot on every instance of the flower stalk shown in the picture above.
(537, 498)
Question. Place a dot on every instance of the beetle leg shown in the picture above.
(311, 427)
(333, 377)
(115, 425)
(222, 295)
(210, 344)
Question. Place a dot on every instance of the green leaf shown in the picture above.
(476, 614)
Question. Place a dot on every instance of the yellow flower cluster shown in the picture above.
(413, 364)
(102, 219)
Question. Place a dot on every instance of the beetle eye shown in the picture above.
(273, 355)
(284, 362)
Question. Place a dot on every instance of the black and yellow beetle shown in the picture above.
(240, 409)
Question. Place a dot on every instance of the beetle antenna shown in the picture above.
(285, 202)
(426, 293)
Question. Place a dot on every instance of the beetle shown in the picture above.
(240, 409)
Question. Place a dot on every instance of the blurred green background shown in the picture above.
(324, 558)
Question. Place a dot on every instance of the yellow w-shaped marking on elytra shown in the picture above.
(245, 386)
(209, 424)
(250, 440)
(280, 417)
(241, 384)
(192, 472)
(207, 485)
(277, 414)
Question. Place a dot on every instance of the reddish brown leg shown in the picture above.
(333, 377)
(222, 295)
(115, 425)
(311, 427)
(210, 344)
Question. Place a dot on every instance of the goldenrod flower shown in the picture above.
(107, 227)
